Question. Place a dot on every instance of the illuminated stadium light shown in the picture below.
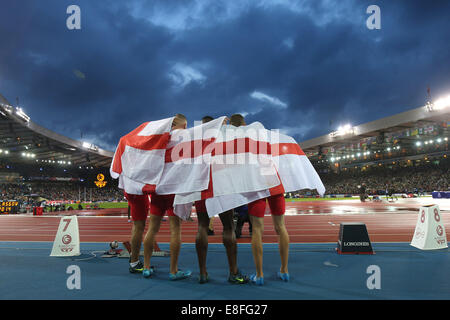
(22, 115)
(445, 138)
(89, 146)
(7, 108)
(28, 155)
(388, 149)
(426, 142)
(441, 103)
(343, 130)
(332, 159)
(439, 140)
(431, 141)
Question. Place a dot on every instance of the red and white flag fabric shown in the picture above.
(250, 163)
(155, 159)
(225, 165)
(139, 158)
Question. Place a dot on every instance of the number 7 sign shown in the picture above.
(67, 239)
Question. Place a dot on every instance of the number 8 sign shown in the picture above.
(436, 215)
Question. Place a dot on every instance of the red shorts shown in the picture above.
(200, 206)
(161, 204)
(276, 203)
(139, 205)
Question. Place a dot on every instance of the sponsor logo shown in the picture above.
(100, 181)
(356, 244)
(66, 249)
(419, 234)
(66, 239)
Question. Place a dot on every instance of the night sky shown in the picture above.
(304, 67)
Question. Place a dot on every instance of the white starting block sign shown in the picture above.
(67, 240)
(430, 231)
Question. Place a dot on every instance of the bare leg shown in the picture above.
(175, 242)
(283, 241)
(229, 240)
(201, 241)
(155, 223)
(257, 248)
(136, 239)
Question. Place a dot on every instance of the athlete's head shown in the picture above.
(179, 122)
(237, 120)
(206, 119)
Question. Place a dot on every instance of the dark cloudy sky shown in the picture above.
(292, 65)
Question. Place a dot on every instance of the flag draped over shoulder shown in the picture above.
(139, 158)
(251, 163)
(152, 158)
(225, 165)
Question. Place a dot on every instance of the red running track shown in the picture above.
(307, 222)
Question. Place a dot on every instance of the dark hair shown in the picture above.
(237, 120)
(206, 119)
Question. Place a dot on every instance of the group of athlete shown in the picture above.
(159, 205)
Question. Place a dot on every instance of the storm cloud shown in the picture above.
(304, 67)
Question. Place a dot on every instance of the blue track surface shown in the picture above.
(317, 272)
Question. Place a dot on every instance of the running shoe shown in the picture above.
(148, 272)
(180, 275)
(238, 278)
(137, 268)
(203, 278)
(255, 280)
(283, 276)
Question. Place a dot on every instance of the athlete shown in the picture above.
(138, 207)
(256, 210)
(228, 238)
(159, 205)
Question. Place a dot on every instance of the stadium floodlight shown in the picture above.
(332, 159)
(388, 149)
(431, 141)
(446, 139)
(439, 140)
(418, 143)
(343, 130)
(6, 151)
(22, 115)
(441, 103)
(358, 154)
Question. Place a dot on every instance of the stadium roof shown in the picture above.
(405, 129)
(27, 142)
